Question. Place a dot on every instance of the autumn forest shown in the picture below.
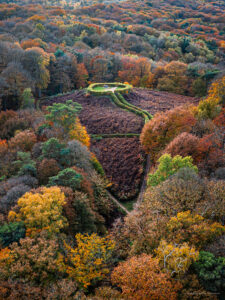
(112, 150)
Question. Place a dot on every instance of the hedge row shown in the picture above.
(122, 88)
(114, 135)
(146, 115)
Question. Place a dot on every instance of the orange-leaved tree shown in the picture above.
(141, 278)
(159, 131)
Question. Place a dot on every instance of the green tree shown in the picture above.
(168, 166)
(63, 114)
(211, 272)
(67, 177)
(11, 232)
(27, 99)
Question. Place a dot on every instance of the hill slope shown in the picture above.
(121, 157)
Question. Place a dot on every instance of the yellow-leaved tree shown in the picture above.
(193, 229)
(89, 261)
(176, 259)
(41, 210)
(79, 132)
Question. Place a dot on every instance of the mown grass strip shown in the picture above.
(114, 135)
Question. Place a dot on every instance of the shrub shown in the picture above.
(89, 261)
(176, 259)
(168, 166)
(211, 272)
(97, 166)
(159, 131)
(193, 229)
(46, 169)
(183, 191)
(23, 141)
(67, 177)
(185, 144)
(11, 232)
(141, 278)
(41, 210)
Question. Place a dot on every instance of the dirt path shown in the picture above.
(144, 182)
(117, 202)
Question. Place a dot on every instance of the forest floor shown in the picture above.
(121, 156)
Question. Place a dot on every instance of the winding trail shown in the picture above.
(118, 203)
(144, 182)
(119, 100)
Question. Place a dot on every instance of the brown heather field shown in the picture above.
(122, 158)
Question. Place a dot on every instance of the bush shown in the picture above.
(168, 166)
(211, 272)
(23, 141)
(67, 177)
(164, 127)
(46, 169)
(185, 144)
(140, 277)
(11, 232)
